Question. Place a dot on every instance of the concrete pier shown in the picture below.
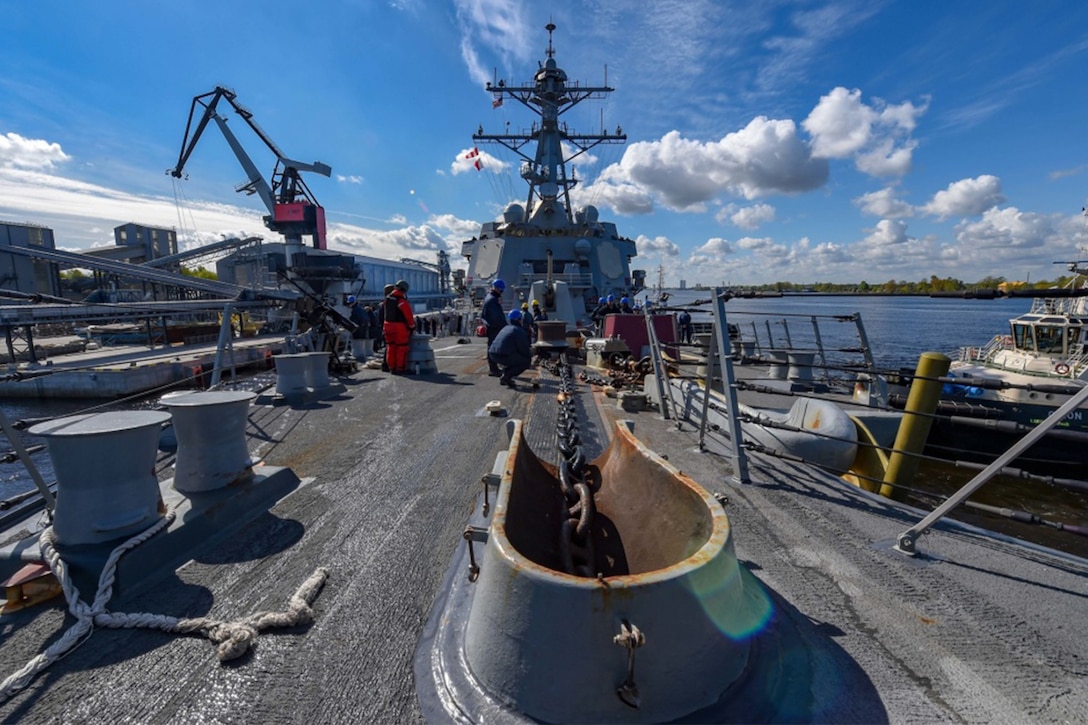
(122, 371)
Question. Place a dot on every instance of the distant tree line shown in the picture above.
(929, 286)
(77, 278)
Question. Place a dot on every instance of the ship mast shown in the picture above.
(549, 96)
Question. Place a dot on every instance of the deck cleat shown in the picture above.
(33, 584)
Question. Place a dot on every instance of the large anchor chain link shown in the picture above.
(576, 540)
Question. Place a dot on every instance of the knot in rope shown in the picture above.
(233, 639)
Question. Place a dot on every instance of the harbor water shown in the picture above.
(22, 412)
(899, 327)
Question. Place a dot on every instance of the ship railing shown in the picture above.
(1057, 306)
(907, 541)
(1077, 363)
(793, 356)
(796, 357)
(720, 348)
(987, 352)
(828, 361)
(22, 453)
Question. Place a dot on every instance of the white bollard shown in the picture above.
(778, 367)
(291, 373)
(211, 433)
(421, 356)
(105, 467)
(800, 366)
(317, 370)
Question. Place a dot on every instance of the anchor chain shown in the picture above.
(576, 539)
(629, 374)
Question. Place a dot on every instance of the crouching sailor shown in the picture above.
(511, 350)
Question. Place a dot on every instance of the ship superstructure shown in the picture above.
(544, 250)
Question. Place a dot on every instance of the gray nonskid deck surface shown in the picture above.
(973, 630)
(397, 463)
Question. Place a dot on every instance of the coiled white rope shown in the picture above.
(233, 638)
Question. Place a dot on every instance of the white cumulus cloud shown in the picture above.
(876, 136)
(17, 152)
(716, 247)
(748, 217)
(765, 157)
(468, 158)
(658, 245)
(1008, 227)
(884, 203)
(967, 197)
(888, 231)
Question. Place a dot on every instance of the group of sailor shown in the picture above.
(609, 306)
(510, 335)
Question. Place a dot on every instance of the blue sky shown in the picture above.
(792, 140)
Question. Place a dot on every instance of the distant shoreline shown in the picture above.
(745, 294)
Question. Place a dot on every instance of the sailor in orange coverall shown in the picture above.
(398, 328)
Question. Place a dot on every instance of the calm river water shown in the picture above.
(899, 328)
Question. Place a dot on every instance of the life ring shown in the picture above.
(1061, 369)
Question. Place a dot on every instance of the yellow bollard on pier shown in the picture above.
(924, 393)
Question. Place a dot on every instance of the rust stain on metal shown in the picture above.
(653, 522)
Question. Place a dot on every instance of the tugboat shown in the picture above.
(1018, 378)
(544, 250)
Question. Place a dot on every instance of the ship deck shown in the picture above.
(975, 628)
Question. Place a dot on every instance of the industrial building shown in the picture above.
(139, 244)
(25, 274)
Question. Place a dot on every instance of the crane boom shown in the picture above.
(292, 209)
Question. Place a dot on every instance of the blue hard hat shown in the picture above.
(611, 298)
(624, 300)
(515, 315)
(601, 301)
(499, 285)
(351, 299)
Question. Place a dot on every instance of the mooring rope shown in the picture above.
(234, 638)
